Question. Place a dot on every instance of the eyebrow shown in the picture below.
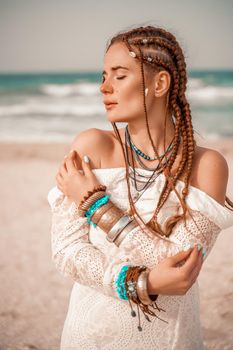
(115, 68)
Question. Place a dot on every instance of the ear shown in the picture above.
(162, 83)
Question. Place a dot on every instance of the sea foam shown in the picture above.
(62, 90)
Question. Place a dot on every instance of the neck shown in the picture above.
(160, 138)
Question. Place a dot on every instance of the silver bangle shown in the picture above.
(142, 288)
(118, 227)
(128, 228)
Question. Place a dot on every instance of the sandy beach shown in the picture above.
(34, 296)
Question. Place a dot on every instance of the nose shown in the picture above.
(105, 87)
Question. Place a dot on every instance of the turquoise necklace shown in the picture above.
(138, 152)
(160, 165)
(139, 184)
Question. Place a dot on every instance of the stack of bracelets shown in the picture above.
(131, 283)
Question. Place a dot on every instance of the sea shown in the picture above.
(54, 107)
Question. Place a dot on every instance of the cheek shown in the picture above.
(134, 106)
(131, 97)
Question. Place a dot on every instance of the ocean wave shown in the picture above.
(210, 94)
(52, 109)
(196, 90)
(194, 83)
(64, 90)
(84, 99)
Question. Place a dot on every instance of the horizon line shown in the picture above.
(100, 70)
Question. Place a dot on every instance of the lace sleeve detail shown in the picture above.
(74, 255)
(151, 250)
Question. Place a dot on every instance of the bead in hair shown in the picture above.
(132, 54)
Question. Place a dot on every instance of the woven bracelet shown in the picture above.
(94, 207)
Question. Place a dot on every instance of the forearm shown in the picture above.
(199, 230)
(149, 249)
(75, 256)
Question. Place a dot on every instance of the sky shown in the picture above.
(71, 35)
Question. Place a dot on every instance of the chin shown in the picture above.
(116, 118)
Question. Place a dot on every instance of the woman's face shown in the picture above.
(122, 86)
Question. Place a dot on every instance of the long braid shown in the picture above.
(187, 133)
(169, 185)
(174, 95)
(144, 103)
(191, 146)
(182, 87)
(168, 182)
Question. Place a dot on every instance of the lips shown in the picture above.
(110, 104)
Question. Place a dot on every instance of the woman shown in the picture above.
(130, 204)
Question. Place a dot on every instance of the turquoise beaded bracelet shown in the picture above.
(103, 200)
(120, 283)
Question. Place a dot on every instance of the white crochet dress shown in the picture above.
(97, 318)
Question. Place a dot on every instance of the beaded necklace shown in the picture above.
(138, 152)
(138, 178)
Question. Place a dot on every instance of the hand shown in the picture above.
(169, 279)
(72, 182)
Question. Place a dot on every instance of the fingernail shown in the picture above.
(86, 159)
(199, 247)
(71, 151)
(65, 156)
(203, 252)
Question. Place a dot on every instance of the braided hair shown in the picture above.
(157, 50)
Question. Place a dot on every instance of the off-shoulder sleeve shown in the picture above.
(207, 220)
(72, 252)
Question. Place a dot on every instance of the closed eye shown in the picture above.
(118, 78)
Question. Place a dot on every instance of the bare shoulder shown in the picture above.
(210, 173)
(92, 142)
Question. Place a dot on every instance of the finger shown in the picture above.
(63, 170)
(64, 164)
(64, 161)
(70, 164)
(59, 179)
(195, 272)
(87, 166)
(60, 188)
(180, 257)
(192, 260)
(76, 159)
